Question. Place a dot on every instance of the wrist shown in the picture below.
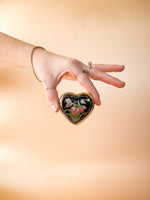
(36, 60)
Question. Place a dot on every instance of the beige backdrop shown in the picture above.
(42, 155)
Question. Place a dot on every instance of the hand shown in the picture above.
(52, 68)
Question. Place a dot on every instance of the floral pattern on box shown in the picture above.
(76, 107)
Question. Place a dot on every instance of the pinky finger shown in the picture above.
(106, 78)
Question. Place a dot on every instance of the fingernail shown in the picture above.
(123, 83)
(99, 103)
(54, 108)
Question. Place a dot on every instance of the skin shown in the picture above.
(51, 68)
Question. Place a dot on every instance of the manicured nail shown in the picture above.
(123, 82)
(54, 108)
(99, 103)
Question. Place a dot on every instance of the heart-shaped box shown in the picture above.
(76, 107)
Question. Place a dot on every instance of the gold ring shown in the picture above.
(90, 65)
(86, 71)
(49, 88)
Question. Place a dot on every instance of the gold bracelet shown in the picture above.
(36, 47)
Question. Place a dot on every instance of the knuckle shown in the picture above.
(73, 61)
(72, 65)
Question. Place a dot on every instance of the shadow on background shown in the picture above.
(12, 195)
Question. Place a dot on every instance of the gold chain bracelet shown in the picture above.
(36, 47)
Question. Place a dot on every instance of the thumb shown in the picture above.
(52, 96)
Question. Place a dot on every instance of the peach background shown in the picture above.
(43, 156)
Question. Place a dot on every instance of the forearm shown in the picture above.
(14, 52)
